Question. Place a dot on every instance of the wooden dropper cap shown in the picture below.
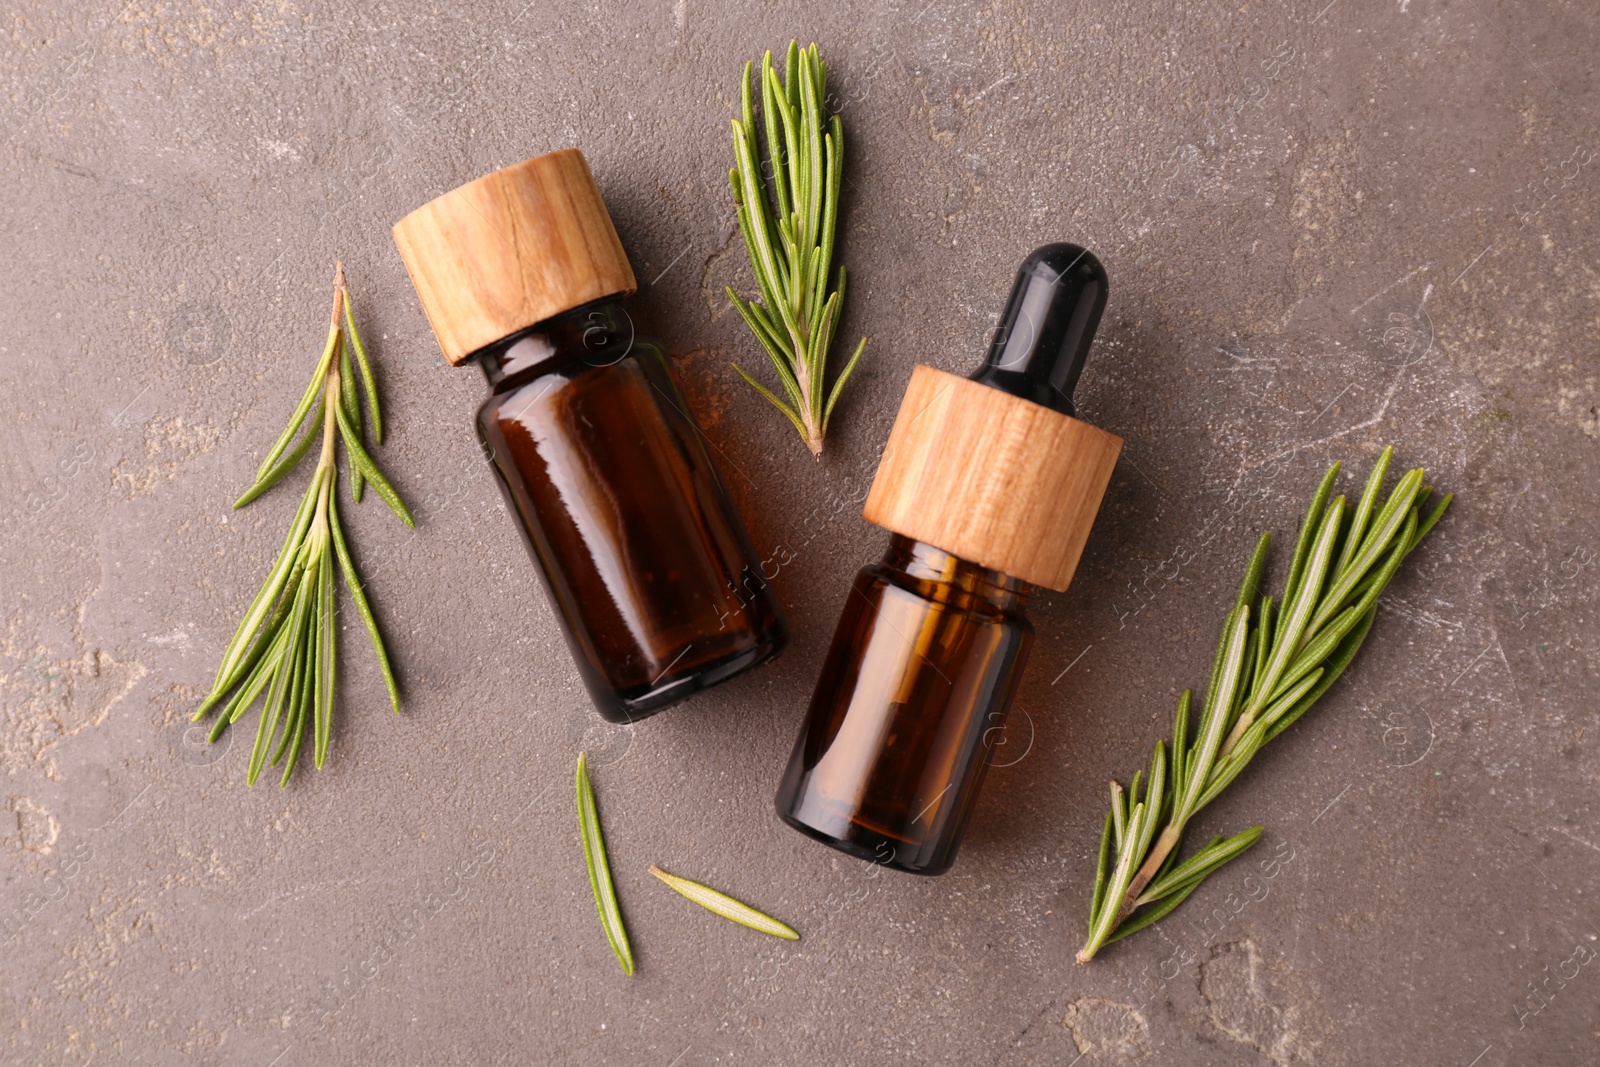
(495, 256)
(995, 469)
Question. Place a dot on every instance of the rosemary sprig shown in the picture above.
(727, 907)
(594, 857)
(287, 646)
(791, 248)
(1273, 662)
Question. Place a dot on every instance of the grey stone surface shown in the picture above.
(1329, 227)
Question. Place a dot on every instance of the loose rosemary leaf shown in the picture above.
(594, 857)
(727, 907)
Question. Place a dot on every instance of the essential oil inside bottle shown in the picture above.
(929, 649)
(620, 503)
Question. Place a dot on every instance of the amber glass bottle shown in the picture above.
(989, 486)
(922, 666)
(642, 553)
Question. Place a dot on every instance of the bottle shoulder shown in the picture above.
(565, 367)
(991, 603)
(637, 379)
(594, 336)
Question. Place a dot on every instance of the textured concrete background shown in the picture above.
(1329, 227)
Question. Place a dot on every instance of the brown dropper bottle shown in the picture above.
(989, 485)
(644, 557)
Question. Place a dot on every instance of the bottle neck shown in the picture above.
(598, 334)
(923, 562)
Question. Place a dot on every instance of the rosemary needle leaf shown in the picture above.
(788, 412)
(360, 459)
(1200, 864)
(594, 856)
(1102, 864)
(1264, 676)
(327, 649)
(838, 384)
(304, 408)
(1119, 815)
(232, 660)
(1433, 517)
(1302, 547)
(352, 412)
(1254, 572)
(348, 399)
(1180, 741)
(366, 372)
(352, 582)
(727, 907)
(285, 465)
(1363, 513)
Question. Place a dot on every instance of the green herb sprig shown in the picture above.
(287, 645)
(1264, 677)
(790, 237)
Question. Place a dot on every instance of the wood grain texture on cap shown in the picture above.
(992, 478)
(513, 248)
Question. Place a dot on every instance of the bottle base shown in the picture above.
(875, 848)
(641, 702)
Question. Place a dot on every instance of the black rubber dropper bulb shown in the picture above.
(1049, 323)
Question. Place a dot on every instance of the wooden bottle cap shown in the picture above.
(513, 248)
(992, 478)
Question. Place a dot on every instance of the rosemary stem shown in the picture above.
(1247, 719)
(325, 463)
(1165, 842)
(340, 288)
(331, 384)
(330, 425)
